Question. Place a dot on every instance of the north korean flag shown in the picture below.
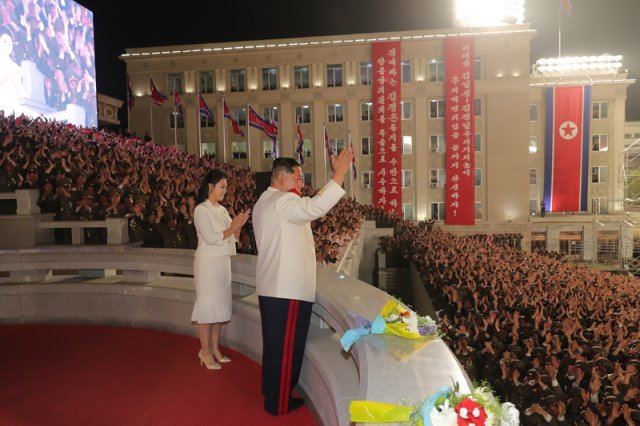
(566, 156)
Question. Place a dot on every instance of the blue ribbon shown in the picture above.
(427, 405)
(351, 336)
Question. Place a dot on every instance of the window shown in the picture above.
(239, 150)
(306, 147)
(206, 121)
(436, 70)
(367, 146)
(533, 112)
(477, 107)
(334, 75)
(208, 149)
(477, 210)
(176, 118)
(270, 113)
(477, 68)
(367, 179)
(407, 144)
(438, 178)
(406, 110)
(240, 115)
(269, 79)
(477, 142)
(477, 177)
(599, 205)
(301, 76)
(600, 110)
(406, 70)
(533, 207)
(337, 145)
(407, 178)
(407, 211)
(600, 143)
(438, 144)
(366, 73)
(175, 81)
(533, 176)
(366, 110)
(267, 148)
(303, 114)
(335, 113)
(533, 144)
(207, 83)
(437, 211)
(436, 108)
(599, 174)
(308, 179)
(237, 80)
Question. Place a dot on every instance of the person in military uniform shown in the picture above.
(152, 237)
(31, 179)
(48, 199)
(172, 235)
(136, 220)
(66, 210)
(115, 208)
(86, 210)
(186, 215)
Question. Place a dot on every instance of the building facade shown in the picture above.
(327, 81)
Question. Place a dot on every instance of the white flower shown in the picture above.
(412, 322)
(510, 415)
(393, 318)
(446, 417)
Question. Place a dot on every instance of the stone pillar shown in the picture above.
(117, 231)
(27, 201)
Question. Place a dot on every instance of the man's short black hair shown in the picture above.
(283, 164)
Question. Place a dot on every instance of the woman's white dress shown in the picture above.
(212, 264)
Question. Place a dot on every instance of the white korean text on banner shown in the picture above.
(459, 99)
(387, 153)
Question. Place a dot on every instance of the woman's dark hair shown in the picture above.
(212, 177)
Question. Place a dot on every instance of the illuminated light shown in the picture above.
(155, 53)
(360, 40)
(271, 45)
(418, 36)
(176, 51)
(394, 38)
(371, 39)
(145, 53)
(293, 44)
(227, 48)
(348, 41)
(187, 51)
(499, 74)
(533, 149)
(488, 13)
(217, 49)
(336, 41)
(383, 38)
(135, 54)
(238, 47)
(124, 55)
(594, 65)
(314, 42)
(139, 93)
(252, 87)
(285, 86)
(259, 46)
(305, 106)
(304, 44)
(325, 42)
(515, 74)
(407, 37)
(281, 44)
(420, 79)
(207, 50)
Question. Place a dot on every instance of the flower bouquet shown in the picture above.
(395, 319)
(449, 407)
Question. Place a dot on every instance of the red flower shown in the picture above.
(470, 413)
(405, 314)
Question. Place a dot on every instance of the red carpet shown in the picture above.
(96, 375)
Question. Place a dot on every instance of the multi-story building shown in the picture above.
(327, 81)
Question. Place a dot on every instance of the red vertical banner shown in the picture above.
(387, 151)
(459, 100)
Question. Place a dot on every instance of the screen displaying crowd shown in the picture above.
(47, 60)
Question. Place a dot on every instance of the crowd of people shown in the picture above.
(89, 174)
(558, 340)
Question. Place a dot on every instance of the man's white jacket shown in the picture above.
(286, 266)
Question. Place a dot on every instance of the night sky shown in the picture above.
(595, 27)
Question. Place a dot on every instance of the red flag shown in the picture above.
(204, 108)
(157, 97)
(176, 101)
(268, 127)
(567, 6)
(327, 147)
(300, 147)
(353, 159)
(234, 124)
(130, 98)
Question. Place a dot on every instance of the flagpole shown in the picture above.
(151, 110)
(175, 118)
(128, 102)
(224, 133)
(324, 142)
(199, 123)
(246, 116)
(559, 30)
(350, 169)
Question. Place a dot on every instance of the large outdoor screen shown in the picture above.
(47, 61)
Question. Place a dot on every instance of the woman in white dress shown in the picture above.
(217, 235)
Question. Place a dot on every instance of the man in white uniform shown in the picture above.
(286, 273)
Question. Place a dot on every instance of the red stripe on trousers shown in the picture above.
(285, 359)
(296, 309)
